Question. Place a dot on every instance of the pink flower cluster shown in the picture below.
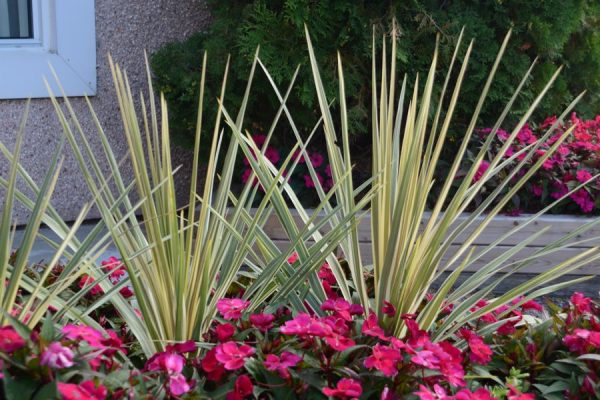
(301, 177)
(117, 274)
(582, 340)
(576, 161)
(170, 363)
(76, 347)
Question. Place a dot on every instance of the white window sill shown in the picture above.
(67, 43)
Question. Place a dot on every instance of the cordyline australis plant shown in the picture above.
(407, 257)
(26, 295)
(182, 261)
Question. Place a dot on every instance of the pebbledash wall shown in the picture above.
(124, 29)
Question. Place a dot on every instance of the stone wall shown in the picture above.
(124, 29)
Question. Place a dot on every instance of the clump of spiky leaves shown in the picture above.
(182, 261)
(26, 296)
(408, 136)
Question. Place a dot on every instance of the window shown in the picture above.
(16, 19)
(37, 36)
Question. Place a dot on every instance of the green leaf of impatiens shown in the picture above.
(47, 333)
(48, 391)
(18, 388)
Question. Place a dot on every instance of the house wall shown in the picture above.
(123, 29)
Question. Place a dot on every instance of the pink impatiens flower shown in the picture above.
(385, 359)
(340, 308)
(233, 356)
(483, 166)
(583, 175)
(389, 309)
(272, 155)
(87, 280)
(438, 393)
(10, 340)
(304, 325)
(345, 389)
(583, 199)
(293, 258)
(57, 356)
(282, 363)
(481, 353)
(537, 190)
(178, 385)
(224, 332)
(85, 390)
(242, 388)
(82, 332)
(211, 366)
(263, 322)
(582, 340)
(316, 159)
(232, 308)
(582, 304)
(371, 327)
(479, 394)
(339, 342)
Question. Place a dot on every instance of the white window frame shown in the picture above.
(64, 41)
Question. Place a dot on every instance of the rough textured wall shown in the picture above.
(123, 29)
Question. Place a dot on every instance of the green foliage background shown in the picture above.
(559, 32)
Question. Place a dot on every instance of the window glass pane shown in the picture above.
(15, 19)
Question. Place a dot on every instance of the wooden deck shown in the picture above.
(558, 226)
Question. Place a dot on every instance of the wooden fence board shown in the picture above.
(559, 225)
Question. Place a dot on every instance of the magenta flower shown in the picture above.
(184, 347)
(345, 388)
(326, 275)
(583, 175)
(232, 308)
(316, 159)
(170, 363)
(340, 307)
(481, 353)
(525, 135)
(272, 155)
(87, 280)
(178, 385)
(242, 388)
(385, 359)
(263, 322)
(231, 356)
(293, 258)
(281, 364)
(582, 340)
(483, 166)
(85, 390)
(371, 327)
(224, 332)
(537, 190)
(10, 340)
(339, 342)
(57, 356)
(583, 199)
(427, 359)
(582, 304)
(515, 394)
(82, 332)
(438, 393)
(308, 181)
(389, 309)
(479, 394)
(529, 304)
(304, 325)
